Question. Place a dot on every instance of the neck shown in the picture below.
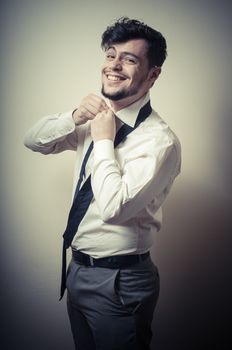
(118, 105)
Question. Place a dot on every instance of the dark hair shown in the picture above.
(125, 29)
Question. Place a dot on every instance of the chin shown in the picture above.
(114, 96)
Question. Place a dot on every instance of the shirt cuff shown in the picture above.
(67, 119)
(103, 149)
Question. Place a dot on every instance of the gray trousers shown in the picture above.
(112, 309)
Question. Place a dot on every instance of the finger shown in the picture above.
(110, 113)
(93, 109)
(84, 112)
(97, 102)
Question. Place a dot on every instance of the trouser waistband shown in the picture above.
(113, 262)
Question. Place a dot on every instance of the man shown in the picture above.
(124, 176)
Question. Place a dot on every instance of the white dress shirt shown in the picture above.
(129, 183)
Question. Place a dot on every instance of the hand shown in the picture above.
(90, 106)
(103, 126)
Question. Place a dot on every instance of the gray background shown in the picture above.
(50, 59)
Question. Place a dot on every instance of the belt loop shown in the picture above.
(91, 260)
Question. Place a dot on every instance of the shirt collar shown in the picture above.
(128, 115)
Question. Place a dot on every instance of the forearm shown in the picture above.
(122, 192)
(58, 132)
(52, 134)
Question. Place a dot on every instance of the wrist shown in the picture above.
(103, 149)
(78, 120)
(102, 138)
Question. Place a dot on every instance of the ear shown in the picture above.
(154, 74)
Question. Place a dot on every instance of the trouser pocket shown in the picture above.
(136, 287)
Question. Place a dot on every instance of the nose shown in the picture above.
(116, 64)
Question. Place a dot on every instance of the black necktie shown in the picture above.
(84, 195)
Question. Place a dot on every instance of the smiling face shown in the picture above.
(126, 75)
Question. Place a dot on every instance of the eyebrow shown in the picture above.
(124, 53)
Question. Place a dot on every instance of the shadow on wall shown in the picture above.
(194, 258)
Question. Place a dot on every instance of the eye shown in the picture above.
(130, 60)
(110, 56)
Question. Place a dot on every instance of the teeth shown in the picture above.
(113, 78)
